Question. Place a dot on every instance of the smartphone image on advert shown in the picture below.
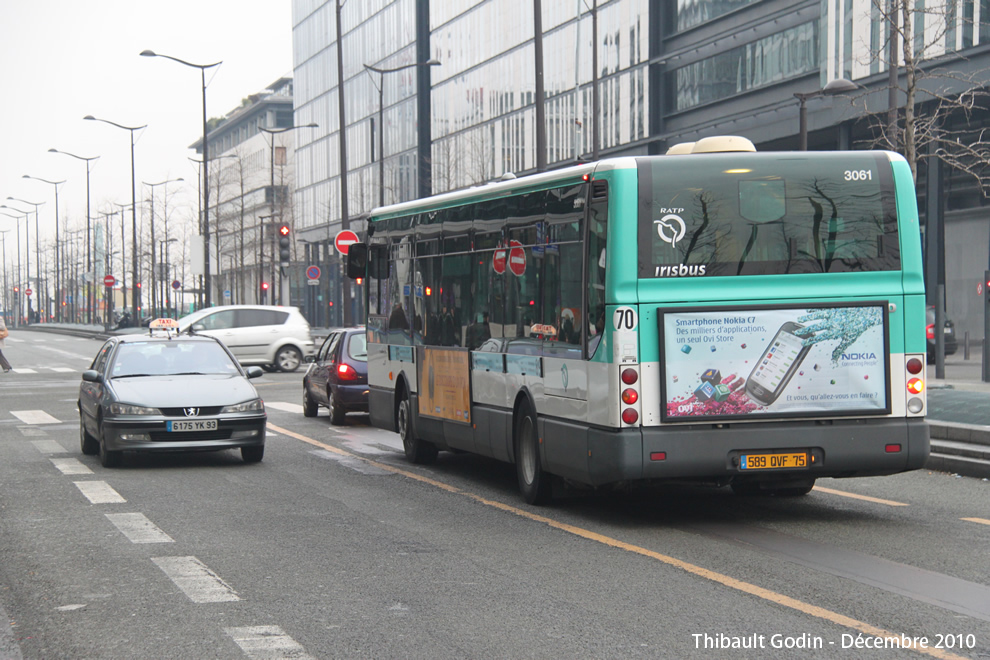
(777, 365)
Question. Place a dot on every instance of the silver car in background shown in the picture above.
(276, 338)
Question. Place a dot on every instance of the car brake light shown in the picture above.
(346, 372)
(930, 331)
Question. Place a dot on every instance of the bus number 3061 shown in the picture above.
(858, 175)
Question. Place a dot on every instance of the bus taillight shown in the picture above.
(629, 396)
(629, 376)
(916, 386)
(630, 416)
(914, 366)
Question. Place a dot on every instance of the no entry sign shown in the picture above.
(344, 240)
(109, 280)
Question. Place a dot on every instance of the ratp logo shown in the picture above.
(670, 228)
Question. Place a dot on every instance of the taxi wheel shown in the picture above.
(534, 483)
(87, 443)
(337, 414)
(417, 451)
(310, 407)
(108, 459)
(253, 454)
(288, 358)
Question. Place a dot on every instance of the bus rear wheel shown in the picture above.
(534, 483)
(416, 450)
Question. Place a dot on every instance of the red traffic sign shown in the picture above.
(517, 258)
(28, 292)
(344, 240)
(109, 280)
(176, 284)
(313, 273)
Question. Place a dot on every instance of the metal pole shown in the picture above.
(595, 101)
(540, 100)
(345, 288)
(206, 202)
(135, 280)
(381, 139)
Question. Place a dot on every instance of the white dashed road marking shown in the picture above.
(63, 370)
(34, 417)
(284, 405)
(138, 528)
(99, 492)
(355, 464)
(24, 371)
(48, 446)
(70, 466)
(267, 643)
(197, 581)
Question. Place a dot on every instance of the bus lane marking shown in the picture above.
(137, 528)
(196, 580)
(719, 578)
(99, 492)
(865, 498)
(267, 643)
(980, 521)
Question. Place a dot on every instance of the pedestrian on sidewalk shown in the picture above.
(3, 345)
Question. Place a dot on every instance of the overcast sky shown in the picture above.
(63, 59)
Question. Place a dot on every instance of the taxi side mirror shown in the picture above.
(254, 372)
(91, 376)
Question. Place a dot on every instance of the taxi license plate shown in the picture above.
(192, 425)
(772, 461)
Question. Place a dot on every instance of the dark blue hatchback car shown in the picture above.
(338, 376)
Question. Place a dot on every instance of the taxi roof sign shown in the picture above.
(165, 324)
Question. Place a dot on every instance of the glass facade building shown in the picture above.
(668, 71)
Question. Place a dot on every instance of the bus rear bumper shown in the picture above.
(853, 448)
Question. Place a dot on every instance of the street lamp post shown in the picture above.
(89, 256)
(837, 86)
(37, 250)
(136, 296)
(154, 278)
(163, 254)
(17, 283)
(58, 282)
(275, 200)
(205, 227)
(6, 289)
(381, 117)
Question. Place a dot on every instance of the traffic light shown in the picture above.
(284, 253)
(264, 286)
(17, 289)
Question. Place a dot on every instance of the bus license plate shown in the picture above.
(192, 425)
(772, 461)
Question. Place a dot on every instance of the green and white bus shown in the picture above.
(729, 317)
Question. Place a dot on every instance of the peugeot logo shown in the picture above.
(674, 224)
(191, 412)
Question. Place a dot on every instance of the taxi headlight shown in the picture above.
(248, 406)
(128, 409)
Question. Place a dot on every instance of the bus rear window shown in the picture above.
(709, 215)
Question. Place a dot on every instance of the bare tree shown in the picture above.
(940, 95)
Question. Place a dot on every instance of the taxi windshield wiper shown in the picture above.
(135, 375)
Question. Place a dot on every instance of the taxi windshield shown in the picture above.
(171, 358)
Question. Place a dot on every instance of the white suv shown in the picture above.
(272, 337)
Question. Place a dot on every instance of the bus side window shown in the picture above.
(596, 256)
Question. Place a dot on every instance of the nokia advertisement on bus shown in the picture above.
(741, 363)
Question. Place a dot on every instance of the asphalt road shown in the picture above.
(335, 547)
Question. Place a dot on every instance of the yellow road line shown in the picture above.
(866, 498)
(982, 521)
(733, 583)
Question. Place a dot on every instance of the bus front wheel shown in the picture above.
(417, 450)
(534, 483)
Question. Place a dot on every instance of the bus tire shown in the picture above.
(534, 483)
(417, 450)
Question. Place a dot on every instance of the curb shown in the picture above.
(959, 448)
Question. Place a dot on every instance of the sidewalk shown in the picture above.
(958, 404)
